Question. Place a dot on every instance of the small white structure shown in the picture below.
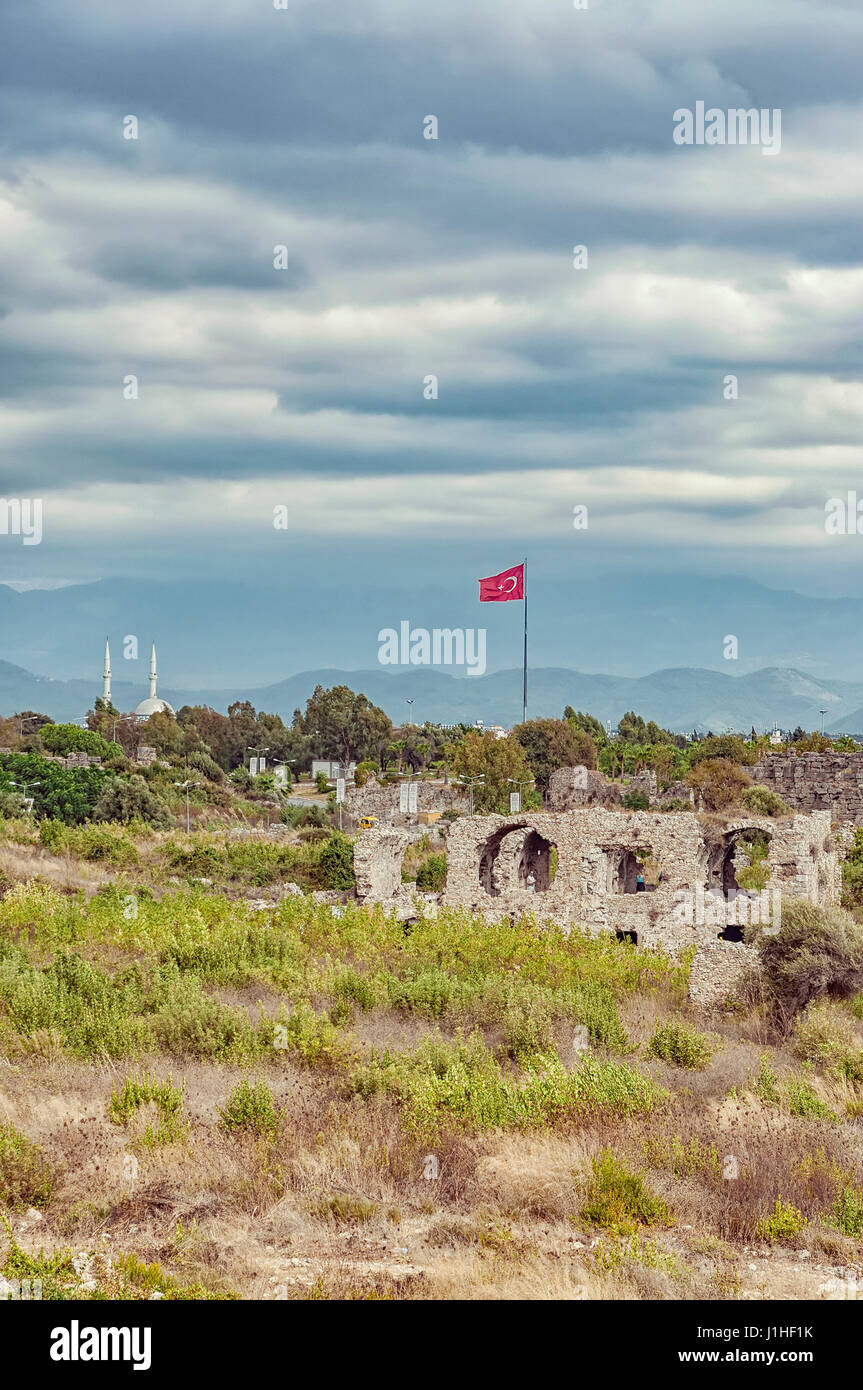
(333, 769)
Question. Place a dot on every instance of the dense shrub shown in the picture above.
(251, 1109)
(618, 1200)
(782, 1224)
(129, 798)
(67, 794)
(26, 1177)
(682, 1046)
(818, 952)
(431, 875)
(203, 763)
(166, 1101)
(763, 801)
(720, 782)
(336, 862)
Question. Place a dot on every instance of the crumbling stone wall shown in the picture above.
(501, 866)
(378, 858)
(815, 781)
(570, 788)
(376, 799)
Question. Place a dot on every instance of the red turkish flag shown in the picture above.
(500, 587)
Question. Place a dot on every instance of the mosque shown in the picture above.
(152, 704)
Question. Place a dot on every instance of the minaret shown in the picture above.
(106, 675)
(153, 673)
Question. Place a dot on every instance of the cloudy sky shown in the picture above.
(409, 257)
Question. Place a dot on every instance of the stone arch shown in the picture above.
(516, 857)
(725, 856)
(623, 864)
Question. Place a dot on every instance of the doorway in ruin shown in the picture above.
(517, 857)
(625, 866)
(738, 860)
(630, 936)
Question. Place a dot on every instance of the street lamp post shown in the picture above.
(524, 782)
(185, 786)
(257, 751)
(471, 782)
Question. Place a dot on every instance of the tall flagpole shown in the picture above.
(524, 688)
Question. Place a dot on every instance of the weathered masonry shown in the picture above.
(657, 879)
(582, 868)
(815, 781)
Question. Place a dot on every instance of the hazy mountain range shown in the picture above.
(681, 698)
(239, 634)
(218, 642)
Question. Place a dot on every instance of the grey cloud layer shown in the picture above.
(410, 257)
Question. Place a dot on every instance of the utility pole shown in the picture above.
(471, 782)
(185, 786)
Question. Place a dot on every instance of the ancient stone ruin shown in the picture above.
(815, 781)
(382, 799)
(666, 879)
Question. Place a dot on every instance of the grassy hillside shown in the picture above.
(206, 1098)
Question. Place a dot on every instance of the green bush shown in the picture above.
(618, 1200)
(322, 782)
(166, 1100)
(355, 988)
(129, 798)
(431, 875)
(818, 951)
(852, 872)
(804, 1103)
(681, 1045)
(203, 763)
(336, 863)
(784, 1222)
(763, 801)
(635, 801)
(847, 1213)
(251, 1109)
(26, 1177)
(367, 768)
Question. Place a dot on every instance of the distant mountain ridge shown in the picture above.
(681, 698)
(212, 632)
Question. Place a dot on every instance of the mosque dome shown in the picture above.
(152, 705)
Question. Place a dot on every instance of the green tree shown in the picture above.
(588, 723)
(70, 738)
(553, 743)
(343, 725)
(59, 793)
(720, 782)
(501, 762)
